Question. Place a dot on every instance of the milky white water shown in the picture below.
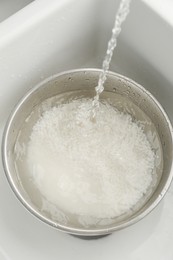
(121, 15)
(99, 169)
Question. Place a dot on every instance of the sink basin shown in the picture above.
(47, 37)
(8, 7)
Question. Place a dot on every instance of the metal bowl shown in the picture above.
(120, 91)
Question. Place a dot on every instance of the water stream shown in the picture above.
(120, 17)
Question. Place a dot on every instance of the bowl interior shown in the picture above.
(122, 93)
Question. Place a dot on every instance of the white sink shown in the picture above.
(46, 37)
(10, 7)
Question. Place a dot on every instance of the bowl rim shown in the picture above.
(64, 228)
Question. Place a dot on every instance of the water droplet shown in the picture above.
(114, 89)
(128, 92)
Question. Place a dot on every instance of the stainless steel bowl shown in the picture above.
(121, 92)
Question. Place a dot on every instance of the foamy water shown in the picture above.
(98, 170)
